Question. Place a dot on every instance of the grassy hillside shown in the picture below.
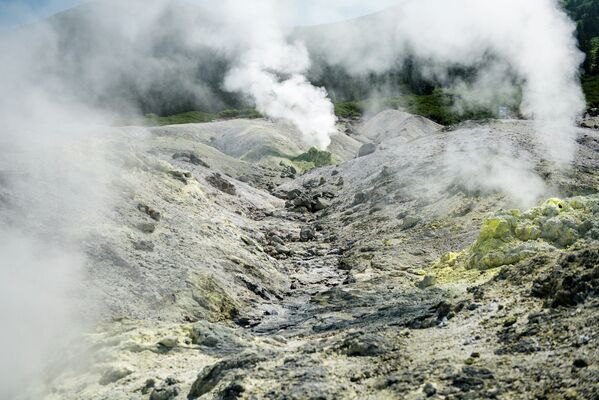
(590, 85)
(437, 106)
(193, 117)
(586, 15)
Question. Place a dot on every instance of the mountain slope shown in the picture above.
(348, 281)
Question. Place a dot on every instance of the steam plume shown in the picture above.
(272, 71)
(511, 44)
(53, 173)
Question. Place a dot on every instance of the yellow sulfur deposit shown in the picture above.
(507, 237)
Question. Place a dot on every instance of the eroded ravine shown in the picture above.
(344, 282)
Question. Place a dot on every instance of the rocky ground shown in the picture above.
(225, 272)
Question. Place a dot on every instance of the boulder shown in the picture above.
(167, 391)
(366, 149)
(190, 157)
(306, 234)
(222, 184)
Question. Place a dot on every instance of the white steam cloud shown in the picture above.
(272, 70)
(54, 176)
(510, 43)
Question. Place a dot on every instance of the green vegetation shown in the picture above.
(183, 118)
(313, 158)
(348, 109)
(586, 15)
(244, 113)
(438, 106)
(590, 85)
(194, 117)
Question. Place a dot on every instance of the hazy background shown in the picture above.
(65, 80)
(300, 12)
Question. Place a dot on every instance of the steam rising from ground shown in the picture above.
(512, 44)
(479, 168)
(272, 71)
(52, 187)
(53, 169)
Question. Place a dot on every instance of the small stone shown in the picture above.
(114, 373)
(180, 176)
(155, 215)
(428, 281)
(320, 204)
(190, 157)
(360, 198)
(476, 354)
(284, 250)
(167, 391)
(509, 321)
(143, 245)
(222, 184)
(150, 383)
(582, 340)
(409, 223)
(294, 194)
(580, 363)
(276, 240)
(429, 389)
(169, 342)
(307, 234)
(233, 391)
(147, 227)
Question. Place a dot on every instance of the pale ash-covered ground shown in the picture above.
(224, 275)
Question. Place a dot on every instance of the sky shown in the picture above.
(304, 12)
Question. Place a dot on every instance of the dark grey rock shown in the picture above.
(167, 391)
(307, 233)
(152, 213)
(149, 385)
(143, 245)
(429, 389)
(293, 194)
(147, 227)
(190, 157)
(222, 184)
(366, 149)
(320, 204)
(360, 198)
(181, 176)
(231, 392)
(427, 282)
(288, 171)
(580, 363)
(213, 374)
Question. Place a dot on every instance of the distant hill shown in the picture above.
(111, 55)
(114, 61)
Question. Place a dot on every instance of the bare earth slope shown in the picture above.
(393, 275)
